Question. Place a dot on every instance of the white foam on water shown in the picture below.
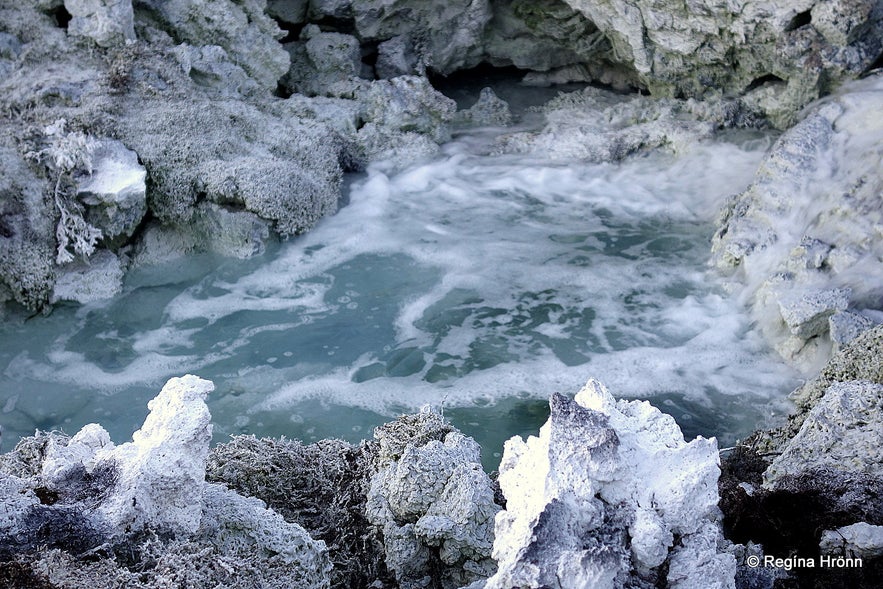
(469, 278)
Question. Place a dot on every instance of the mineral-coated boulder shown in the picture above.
(107, 22)
(242, 29)
(433, 504)
(447, 34)
(597, 499)
(83, 281)
(115, 192)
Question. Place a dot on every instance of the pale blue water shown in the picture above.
(477, 283)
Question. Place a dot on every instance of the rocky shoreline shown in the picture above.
(138, 132)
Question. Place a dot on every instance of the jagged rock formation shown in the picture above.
(141, 514)
(609, 495)
(804, 237)
(820, 471)
(432, 503)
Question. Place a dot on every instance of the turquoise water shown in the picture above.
(475, 283)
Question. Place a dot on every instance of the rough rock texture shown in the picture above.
(601, 126)
(804, 238)
(598, 499)
(27, 244)
(81, 512)
(409, 104)
(842, 432)
(323, 63)
(447, 35)
(862, 540)
(244, 31)
(788, 53)
(321, 486)
(107, 22)
(820, 471)
(115, 192)
(433, 504)
(101, 277)
(489, 109)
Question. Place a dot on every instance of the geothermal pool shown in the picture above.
(475, 283)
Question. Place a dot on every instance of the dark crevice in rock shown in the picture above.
(282, 92)
(370, 52)
(878, 63)
(789, 520)
(292, 31)
(62, 16)
(762, 80)
(15, 575)
(801, 19)
(330, 24)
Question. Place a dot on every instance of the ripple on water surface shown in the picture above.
(480, 283)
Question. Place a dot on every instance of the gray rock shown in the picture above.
(149, 496)
(289, 11)
(107, 22)
(84, 281)
(27, 240)
(431, 498)
(597, 499)
(688, 49)
(449, 32)
(809, 223)
(396, 57)
(393, 150)
(210, 66)
(115, 192)
(842, 432)
(806, 314)
(409, 103)
(488, 110)
(319, 9)
(323, 64)
(601, 126)
(846, 326)
(861, 540)
(264, 160)
(243, 527)
(10, 46)
(231, 233)
(242, 29)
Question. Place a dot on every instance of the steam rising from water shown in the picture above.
(467, 281)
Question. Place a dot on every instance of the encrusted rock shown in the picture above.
(242, 29)
(846, 326)
(601, 126)
(409, 103)
(795, 48)
(107, 22)
(115, 192)
(162, 471)
(490, 109)
(323, 63)
(806, 314)
(842, 432)
(597, 499)
(83, 281)
(449, 33)
(860, 540)
(142, 512)
(433, 503)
